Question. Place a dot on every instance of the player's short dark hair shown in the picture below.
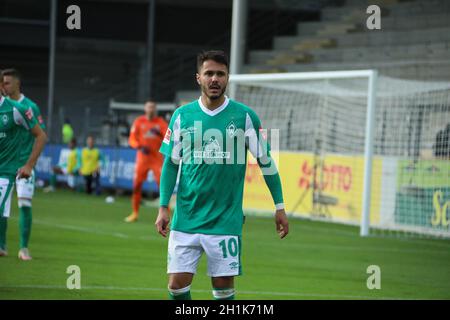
(150, 100)
(218, 56)
(12, 72)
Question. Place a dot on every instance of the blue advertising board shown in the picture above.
(117, 170)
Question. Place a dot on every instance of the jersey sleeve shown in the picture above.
(134, 137)
(164, 126)
(168, 181)
(171, 145)
(256, 137)
(259, 147)
(38, 116)
(24, 117)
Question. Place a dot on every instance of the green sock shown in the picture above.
(53, 180)
(25, 219)
(223, 293)
(3, 226)
(180, 294)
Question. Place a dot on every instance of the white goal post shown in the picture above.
(334, 120)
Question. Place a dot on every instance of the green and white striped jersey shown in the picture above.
(14, 117)
(212, 147)
(28, 138)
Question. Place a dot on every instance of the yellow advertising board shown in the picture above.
(329, 187)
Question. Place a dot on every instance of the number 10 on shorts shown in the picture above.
(229, 247)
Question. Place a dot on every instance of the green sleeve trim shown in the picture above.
(168, 180)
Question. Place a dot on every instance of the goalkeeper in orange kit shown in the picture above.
(147, 134)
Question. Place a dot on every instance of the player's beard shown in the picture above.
(215, 96)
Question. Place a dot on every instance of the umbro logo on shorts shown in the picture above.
(234, 265)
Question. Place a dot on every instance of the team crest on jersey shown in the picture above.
(167, 136)
(5, 119)
(212, 150)
(231, 129)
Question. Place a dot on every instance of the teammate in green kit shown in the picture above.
(22, 141)
(211, 136)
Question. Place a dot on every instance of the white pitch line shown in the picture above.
(80, 229)
(244, 292)
(317, 228)
(288, 244)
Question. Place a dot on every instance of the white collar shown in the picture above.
(215, 111)
(21, 98)
(2, 98)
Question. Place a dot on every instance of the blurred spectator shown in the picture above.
(442, 144)
(106, 132)
(69, 164)
(91, 160)
(67, 131)
(123, 132)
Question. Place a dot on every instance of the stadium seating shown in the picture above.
(413, 43)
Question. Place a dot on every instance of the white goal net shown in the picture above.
(328, 139)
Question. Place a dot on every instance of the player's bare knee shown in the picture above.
(222, 282)
(180, 280)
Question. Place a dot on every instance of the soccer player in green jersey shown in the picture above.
(209, 139)
(24, 186)
(14, 118)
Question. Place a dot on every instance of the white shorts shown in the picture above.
(6, 186)
(71, 178)
(223, 253)
(25, 187)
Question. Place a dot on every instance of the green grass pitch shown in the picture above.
(128, 261)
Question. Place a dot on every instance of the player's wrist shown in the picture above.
(28, 166)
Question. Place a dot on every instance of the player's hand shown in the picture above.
(162, 221)
(24, 172)
(281, 223)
